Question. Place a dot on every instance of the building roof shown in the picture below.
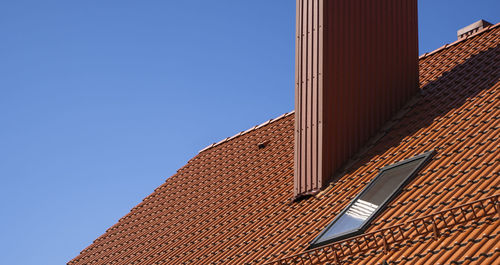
(231, 204)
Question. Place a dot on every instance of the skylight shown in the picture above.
(355, 218)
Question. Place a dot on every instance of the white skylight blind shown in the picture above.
(358, 214)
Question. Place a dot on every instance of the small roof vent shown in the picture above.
(472, 28)
(262, 145)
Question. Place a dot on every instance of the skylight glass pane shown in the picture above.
(365, 206)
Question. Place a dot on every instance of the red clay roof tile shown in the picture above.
(231, 204)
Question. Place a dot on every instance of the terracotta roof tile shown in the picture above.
(231, 204)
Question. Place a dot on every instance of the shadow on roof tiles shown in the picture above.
(448, 92)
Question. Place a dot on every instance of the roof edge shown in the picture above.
(488, 28)
(247, 131)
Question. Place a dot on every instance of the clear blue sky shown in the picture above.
(101, 101)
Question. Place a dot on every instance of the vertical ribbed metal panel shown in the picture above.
(356, 65)
(308, 95)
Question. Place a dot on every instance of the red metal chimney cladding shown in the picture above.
(356, 65)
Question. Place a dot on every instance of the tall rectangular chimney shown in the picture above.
(356, 65)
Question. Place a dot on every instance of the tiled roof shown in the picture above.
(231, 204)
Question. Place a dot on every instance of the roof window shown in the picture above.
(356, 217)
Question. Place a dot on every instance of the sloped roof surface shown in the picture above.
(231, 203)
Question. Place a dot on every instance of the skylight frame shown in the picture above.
(317, 242)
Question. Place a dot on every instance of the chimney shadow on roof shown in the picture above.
(437, 99)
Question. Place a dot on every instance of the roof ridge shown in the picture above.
(249, 130)
(488, 28)
(293, 111)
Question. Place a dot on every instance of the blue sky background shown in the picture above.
(101, 101)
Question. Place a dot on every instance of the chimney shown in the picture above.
(356, 65)
(472, 28)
